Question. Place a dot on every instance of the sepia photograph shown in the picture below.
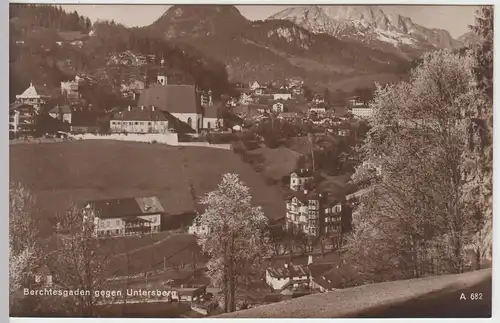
(250, 161)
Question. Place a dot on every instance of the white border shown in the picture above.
(5, 160)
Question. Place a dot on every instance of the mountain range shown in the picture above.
(327, 46)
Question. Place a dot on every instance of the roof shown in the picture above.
(291, 271)
(140, 114)
(214, 111)
(125, 207)
(32, 92)
(172, 98)
(333, 278)
(61, 109)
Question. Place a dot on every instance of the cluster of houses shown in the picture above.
(287, 278)
(161, 108)
(129, 58)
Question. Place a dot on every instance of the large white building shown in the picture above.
(124, 216)
(140, 120)
(362, 112)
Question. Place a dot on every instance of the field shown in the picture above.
(77, 171)
(276, 163)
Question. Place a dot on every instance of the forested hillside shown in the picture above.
(42, 50)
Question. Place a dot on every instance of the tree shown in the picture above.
(79, 262)
(421, 207)
(481, 133)
(238, 237)
(23, 237)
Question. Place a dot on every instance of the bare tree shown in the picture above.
(79, 261)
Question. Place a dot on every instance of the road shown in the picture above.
(442, 304)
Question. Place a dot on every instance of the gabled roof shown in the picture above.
(34, 92)
(125, 207)
(140, 114)
(172, 98)
(291, 271)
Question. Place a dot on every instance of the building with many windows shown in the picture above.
(22, 119)
(124, 216)
(140, 120)
(313, 213)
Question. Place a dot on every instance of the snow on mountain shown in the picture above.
(371, 26)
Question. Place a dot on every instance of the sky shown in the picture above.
(455, 19)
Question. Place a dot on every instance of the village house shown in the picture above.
(254, 85)
(318, 108)
(282, 95)
(299, 180)
(124, 216)
(288, 276)
(318, 99)
(34, 96)
(362, 112)
(22, 119)
(181, 101)
(133, 89)
(355, 101)
(63, 113)
(140, 120)
(288, 116)
(313, 213)
(260, 91)
(140, 60)
(278, 107)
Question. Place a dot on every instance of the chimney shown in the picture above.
(310, 260)
(153, 108)
(129, 108)
(142, 107)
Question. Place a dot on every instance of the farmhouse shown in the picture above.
(140, 120)
(125, 216)
(181, 101)
(63, 113)
(287, 276)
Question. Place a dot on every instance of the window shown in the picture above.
(190, 122)
(149, 123)
(113, 123)
(209, 125)
(154, 219)
(117, 222)
(136, 123)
